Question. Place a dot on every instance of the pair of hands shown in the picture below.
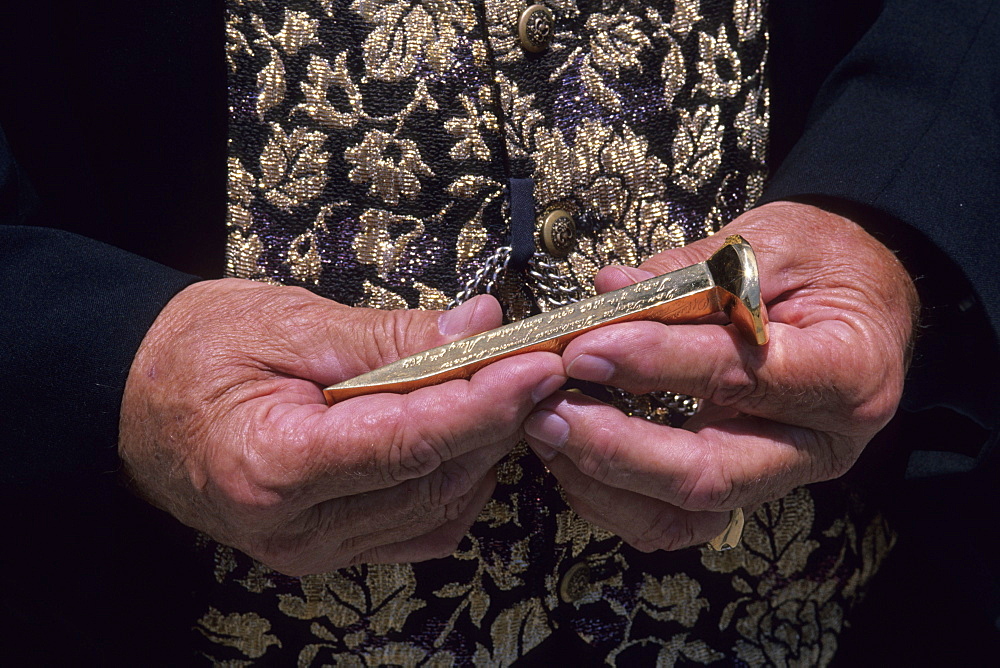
(224, 424)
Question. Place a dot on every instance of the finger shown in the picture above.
(728, 464)
(391, 335)
(645, 523)
(322, 551)
(409, 509)
(708, 413)
(822, 246)
(819, 376)
(327, 342)
(615, 276)
(381, 440)
(439, 543)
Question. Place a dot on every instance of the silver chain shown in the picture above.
(552, 288)
(662, 407)
(485, 278)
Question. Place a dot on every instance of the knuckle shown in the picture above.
(245, 497)
(281, 553)
(443, 488)
(875, 408)
(446, 544)
(706, 487)
(583, 494)
(597, 454)
(453, 511)
(839, 465)
(734, 384)
(409, 456)
(258, 482)
(840, 455)
(375, 337)
(292, 311)
(641, 546)
(386, 345)
(395, 335)
(358, 550)
(456, 482)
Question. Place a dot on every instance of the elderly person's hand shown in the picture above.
(795, 411)
(224, 426)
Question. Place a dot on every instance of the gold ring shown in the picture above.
(731, 535)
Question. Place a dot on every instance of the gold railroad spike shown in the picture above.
(728, 281)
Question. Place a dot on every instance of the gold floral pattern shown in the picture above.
(616, 42)
(366, 595)
(375, 245)
(371, 147)
(388, 177)
(411, 31)
(781, 606)
(748, 17)
(247, 632)
(521, 116)
(303, 258)
(321, 78)
(297, 30)
(697, 147)
(244, 252)
(467, 127)
(752, 126)
(617, 178)
(719, 65)
(293, 167)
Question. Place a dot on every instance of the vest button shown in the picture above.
(558, 233)
(535, 28)
(575, 584)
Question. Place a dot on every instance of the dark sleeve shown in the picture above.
(906, 128)
(117, 119)
(74, 312)
(903, 136)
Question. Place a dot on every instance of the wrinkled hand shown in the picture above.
(224, 426)
(796, 411)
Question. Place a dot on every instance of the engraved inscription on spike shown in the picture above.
(728, 281)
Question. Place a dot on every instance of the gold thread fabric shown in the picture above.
(371, 143)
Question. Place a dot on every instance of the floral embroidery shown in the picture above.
(246, 632)
(408, 32)
(293, 167)
(371, 146)
(388, 177)
(467, 127)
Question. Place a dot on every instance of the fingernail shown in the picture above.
(548, 428)
(591, 367)
(547, 387)
(636, 274)
(456, 320)
(544, 452)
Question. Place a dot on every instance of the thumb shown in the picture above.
(614, 277)
(358, 340)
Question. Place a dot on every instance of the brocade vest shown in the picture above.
(413, 153)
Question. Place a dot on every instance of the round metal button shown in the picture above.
(575, 584)
(535, 28)
(558, 233)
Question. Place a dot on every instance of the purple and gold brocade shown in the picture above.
(372, 144)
